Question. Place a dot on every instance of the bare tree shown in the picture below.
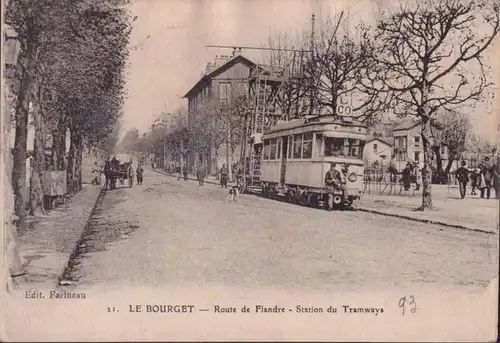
(454, 131)
(430, 56)
(337, 59)
(291, 60)
(478, 145)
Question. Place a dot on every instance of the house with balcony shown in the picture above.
(408, 145)
(224, 78)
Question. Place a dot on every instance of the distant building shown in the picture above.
(408, 145)
(223, 78)
(378, 149)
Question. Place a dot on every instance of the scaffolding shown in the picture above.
(273, 92)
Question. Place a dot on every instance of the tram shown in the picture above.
(297, 154)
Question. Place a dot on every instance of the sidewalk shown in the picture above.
(471, 213)
(50, 240)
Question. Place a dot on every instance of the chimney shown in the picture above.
(236, 52)
(210, 68)
(220, 60)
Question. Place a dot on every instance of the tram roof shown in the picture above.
(314, 120)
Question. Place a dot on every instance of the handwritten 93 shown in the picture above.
(408, 304)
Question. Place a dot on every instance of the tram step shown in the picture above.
(253, 189)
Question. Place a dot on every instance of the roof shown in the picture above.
(386, 140)
(411, 123)
(407, 125)
(217, 71)
(315, 119)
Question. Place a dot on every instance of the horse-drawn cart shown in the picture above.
(122, 172)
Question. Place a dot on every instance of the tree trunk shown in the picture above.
(181, 155)
(70, 169)
(36, 191)
(77, 177)
(228, 165)
(20, 145)
(12, 253)
(59, 146)
(439, 164)
(426, 170)
(448, 166)
(217, 174)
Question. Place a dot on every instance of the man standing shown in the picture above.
(139, 171)
(107, 169)
(200, 175)
(487, 177)
(406, 176)
(223, 176)
(474, 181)
(462, 174)
(496, 177)
(333, 181)
(185, 172)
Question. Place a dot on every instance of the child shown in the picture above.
(96, 172)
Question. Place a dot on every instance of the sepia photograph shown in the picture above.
(250, 170)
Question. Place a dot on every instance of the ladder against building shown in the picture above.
(264, 86)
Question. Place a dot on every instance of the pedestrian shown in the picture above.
(139, 171)
(185, 172)
(486, 177)
(107, 169)
(179, 172)
(200, 175)
(333, 182)
(462, 175)
(223, 176)
(496, 177)
(406, 176)
(474, 181)
(96, 173)
(416, 175)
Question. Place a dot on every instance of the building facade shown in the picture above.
(223, 80)
(408, 145)
(378, 149)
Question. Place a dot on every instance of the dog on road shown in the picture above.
(234, 194)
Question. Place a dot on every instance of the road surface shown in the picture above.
(174, 233)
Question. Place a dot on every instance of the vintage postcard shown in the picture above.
(269, 170)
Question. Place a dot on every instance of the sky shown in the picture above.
(168, 52)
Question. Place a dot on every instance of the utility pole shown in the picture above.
(313, 68)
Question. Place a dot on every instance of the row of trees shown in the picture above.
(425, 59)
(215, 125)
(69, 79)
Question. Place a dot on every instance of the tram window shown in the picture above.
(307, 145)
(297, 146)
(334, 147)
(344, 147)
(290, 146)
(318, 150)
(265, 154)
(278, 148)
(272, 149)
